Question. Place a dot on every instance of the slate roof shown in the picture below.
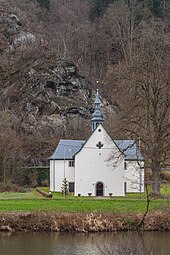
(97, 100)
(67, 149)
(130, 149)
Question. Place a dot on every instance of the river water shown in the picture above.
(124, 243)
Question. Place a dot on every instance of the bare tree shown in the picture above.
(10, 148)
(146, 112)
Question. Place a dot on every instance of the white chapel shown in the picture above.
(99, 166)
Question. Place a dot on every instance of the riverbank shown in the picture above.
(82, 222)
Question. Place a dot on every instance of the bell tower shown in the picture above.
(97, 116)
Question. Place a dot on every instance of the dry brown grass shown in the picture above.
(81, 222)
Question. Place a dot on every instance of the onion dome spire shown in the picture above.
(97, 116)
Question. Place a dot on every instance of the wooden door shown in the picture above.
(99, 189)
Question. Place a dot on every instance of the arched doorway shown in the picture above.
(99, 189)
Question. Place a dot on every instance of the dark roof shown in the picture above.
(67, 149)
(97, 115)
(97, 100)
(130, 149)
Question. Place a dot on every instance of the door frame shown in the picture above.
(96, 188)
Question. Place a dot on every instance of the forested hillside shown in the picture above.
(51, 55)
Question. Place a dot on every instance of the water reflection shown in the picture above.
(84, 244)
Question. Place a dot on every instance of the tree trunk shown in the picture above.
(156, 181)
(4, 171)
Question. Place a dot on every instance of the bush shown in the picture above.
(11, 187)
(165, 176)
(44, 183)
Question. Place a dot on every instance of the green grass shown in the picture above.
(33, 201)
(79, 204)
(20, 195)
(165, 189)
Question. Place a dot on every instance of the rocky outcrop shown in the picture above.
(43, 97)
(13, 30)
(50, 96)
(47, 96)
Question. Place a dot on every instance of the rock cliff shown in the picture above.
(49, 98)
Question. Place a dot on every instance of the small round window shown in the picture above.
(99, 130)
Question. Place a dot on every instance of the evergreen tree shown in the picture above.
(44, 3)
(98, 7)
(64, 188)
(155, 6)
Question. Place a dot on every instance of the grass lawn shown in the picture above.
(33, 201)
(81, 205)
(20, 195)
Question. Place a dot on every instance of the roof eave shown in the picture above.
(130, 159)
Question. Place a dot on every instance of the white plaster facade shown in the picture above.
(98, 166)
(58, 170)
(93, 165)
(134, 176)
